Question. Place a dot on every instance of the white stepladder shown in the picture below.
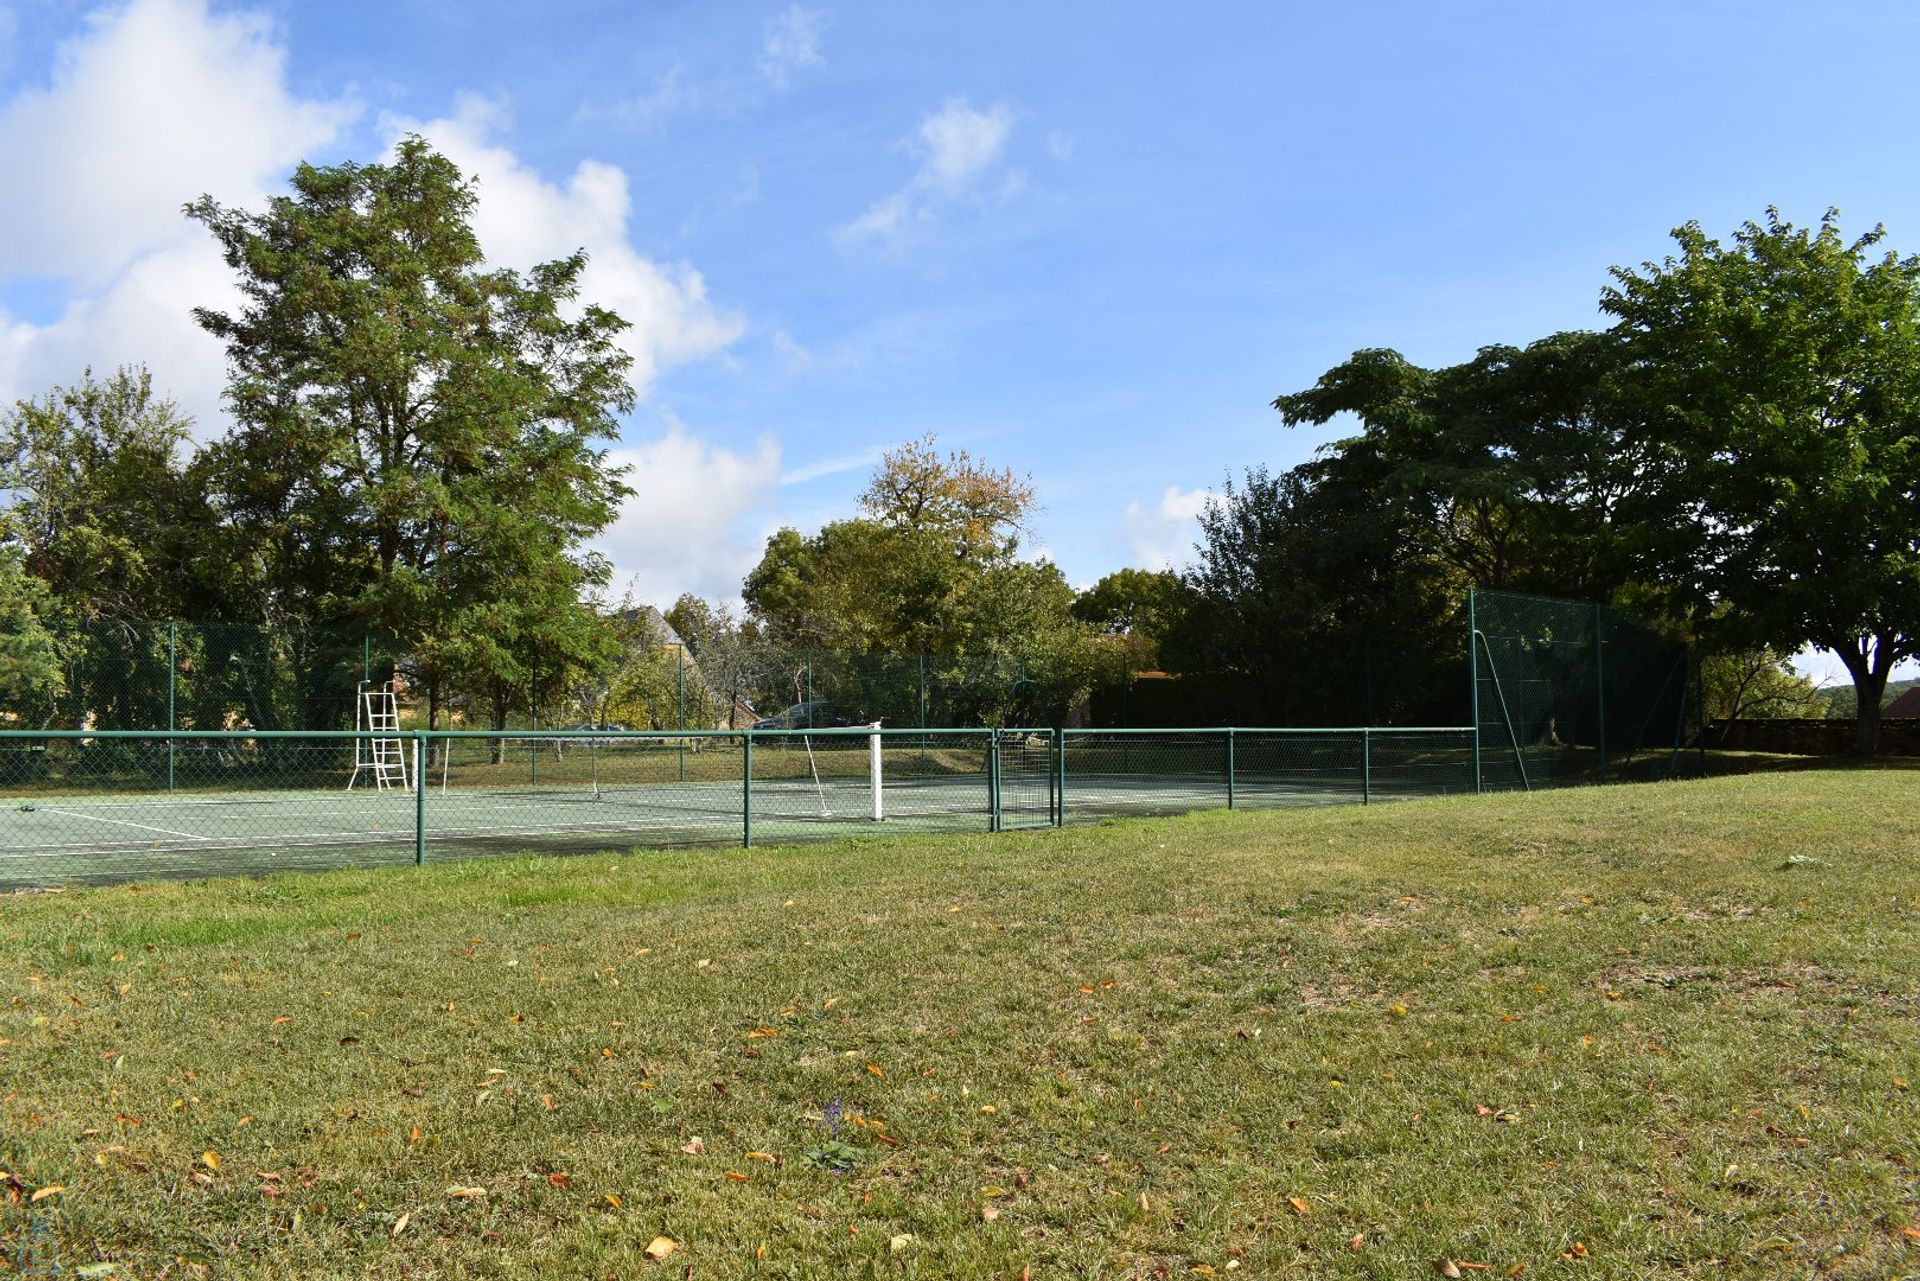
(378, 749)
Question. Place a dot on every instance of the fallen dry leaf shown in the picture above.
(284, 1018)
(734, 1176)
(1446, 1267)
(460, 1193)
(400, 1224)
(1300, 1206)
(52, 1189)
(1358, 1241)
(694, 1148)
(560, 1179)
(989, 1212)
(876, 1069)
(660, 1247)
(613, 1199)
(210, 1159)
(766, 1157)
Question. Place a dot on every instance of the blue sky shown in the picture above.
(1087, 241)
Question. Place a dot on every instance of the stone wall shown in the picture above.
(1810, 737)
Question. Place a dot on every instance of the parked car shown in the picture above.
(818, 714)
(599, 727)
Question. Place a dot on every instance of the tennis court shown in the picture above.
(81, 809)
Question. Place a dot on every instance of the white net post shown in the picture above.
(873, 766)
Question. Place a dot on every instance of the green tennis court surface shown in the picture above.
(82, 838)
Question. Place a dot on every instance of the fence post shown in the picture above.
(680, 674)
(1060, 777)
(993, 781)
(419, 799)
(1229, 767)
(1473, 685)
(1600, 688)
(1366, 765)
(1700, 711)
(746, 789)
(173, 677)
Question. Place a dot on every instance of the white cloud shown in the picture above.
(158, 101)
(672, 93)
(154, 103)
(792, 41)
(522, 219)
(690, 525)
(1162, 536)
(141, 317)
(958, 148)
(835, 466)
(793, 354)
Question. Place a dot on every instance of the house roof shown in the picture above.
(1907, 705)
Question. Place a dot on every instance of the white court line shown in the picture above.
(145, 827)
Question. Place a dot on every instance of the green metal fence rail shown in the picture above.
(82, 806)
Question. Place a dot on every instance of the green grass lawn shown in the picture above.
(1605, 1032)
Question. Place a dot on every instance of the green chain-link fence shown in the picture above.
(181, 675)
(209, 749)
(113, 805)
(138, 675)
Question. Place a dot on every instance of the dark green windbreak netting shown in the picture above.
(1571, 692)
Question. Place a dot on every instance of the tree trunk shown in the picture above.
(1869, 688)
(1866, 727)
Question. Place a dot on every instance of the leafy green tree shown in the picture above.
(31, 679)
(931, 567)
(1314, 600)
(978, 511)
(1522, 466)
(101, 503)
(1756, 684)
(1141, 607)
(730, 663)
(99, 499)
(1778, 378)
(418, 442)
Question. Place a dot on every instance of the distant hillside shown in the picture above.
(1841, 705)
